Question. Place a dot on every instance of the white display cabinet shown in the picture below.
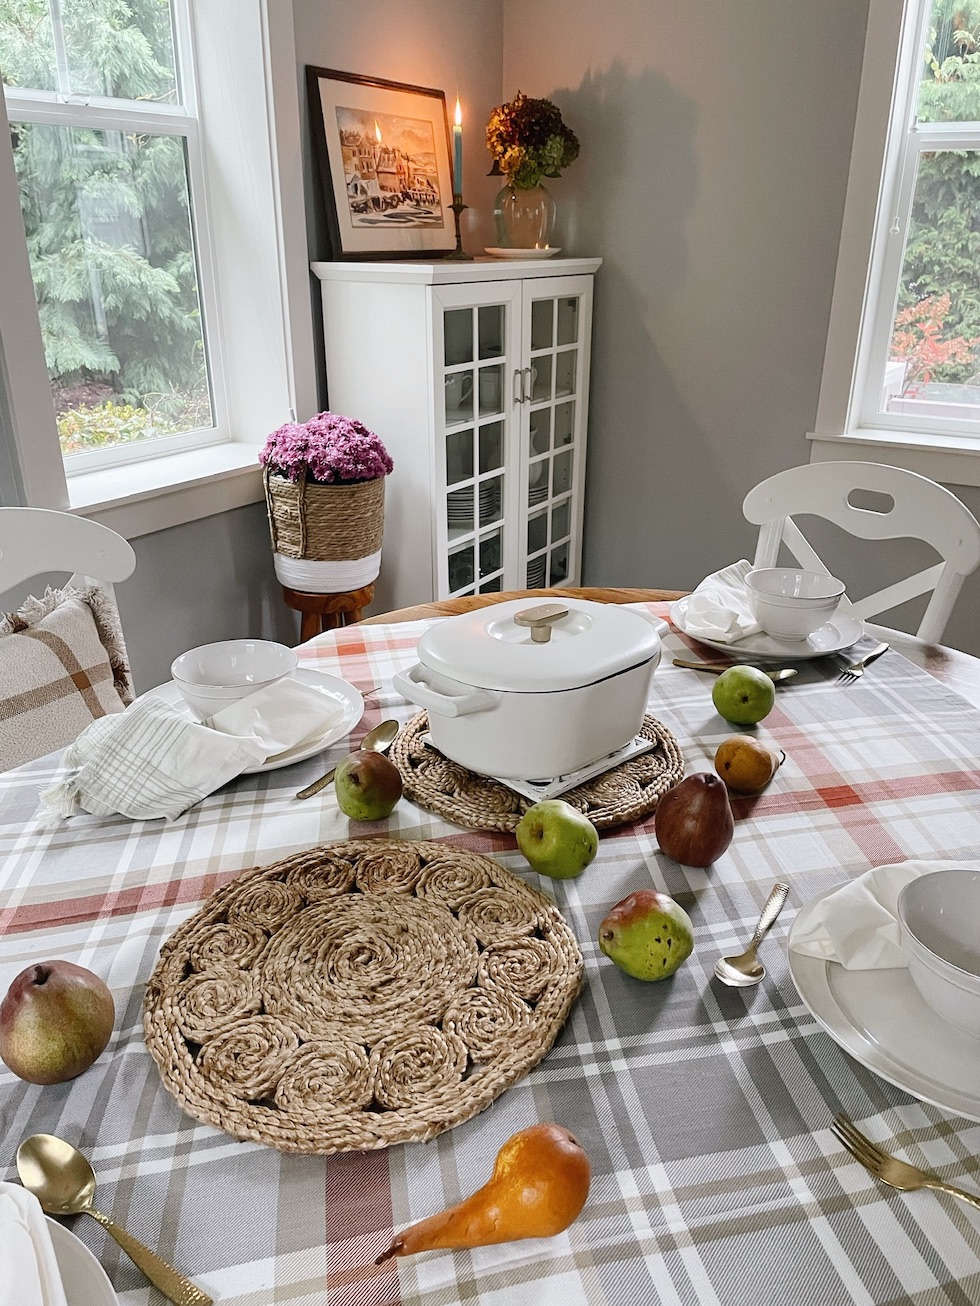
(476, 376)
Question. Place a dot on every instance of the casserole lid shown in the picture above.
(531, 646)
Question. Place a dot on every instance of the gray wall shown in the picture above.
(715, 151)
(209, 580)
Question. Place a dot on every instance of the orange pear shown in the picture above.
(538, 1187)
(746, 764)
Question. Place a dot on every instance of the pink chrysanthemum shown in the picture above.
(330, 448)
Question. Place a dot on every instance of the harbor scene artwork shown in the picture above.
(391, 173)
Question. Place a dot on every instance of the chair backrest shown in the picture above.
(38, 540)
(920, 509)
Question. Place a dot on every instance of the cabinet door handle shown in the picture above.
(528, 386)
(518, 386)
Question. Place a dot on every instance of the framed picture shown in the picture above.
(384, 163)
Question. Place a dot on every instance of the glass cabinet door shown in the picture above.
(557, 324)
(477, 437)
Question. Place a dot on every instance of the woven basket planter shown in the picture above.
(326, 539)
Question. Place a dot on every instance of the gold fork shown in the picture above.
(895, 1173)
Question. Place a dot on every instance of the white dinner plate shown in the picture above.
(839, 633)
(878, 1017)
(85, 1281)
(495, 252)
(349, 699)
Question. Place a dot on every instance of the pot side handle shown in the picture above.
(660, 626)
(446, 697)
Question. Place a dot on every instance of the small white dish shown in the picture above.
(548, 252)
(345, 695)
(878, 1017)
(213, 675)
(789, 603)
(938, 914)
(85, 1282)
(832, 637)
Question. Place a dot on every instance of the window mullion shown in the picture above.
(893, 234)
(105, 115)
(60, 47)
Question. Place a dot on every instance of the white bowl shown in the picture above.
(939, 915)
(791, 604)
(212, 676)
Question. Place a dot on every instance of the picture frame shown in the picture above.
(384, 157)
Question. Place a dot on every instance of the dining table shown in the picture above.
(705, 1110)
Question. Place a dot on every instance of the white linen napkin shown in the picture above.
(718, 609)
(29, 1274)
(280, 717)
(153, 761)
(857, 925)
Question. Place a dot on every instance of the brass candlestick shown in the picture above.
(459, 255)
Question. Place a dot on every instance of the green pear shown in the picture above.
(557, 839)
(648, 935)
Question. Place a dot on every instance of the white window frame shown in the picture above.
(880, 183)
(260, 332)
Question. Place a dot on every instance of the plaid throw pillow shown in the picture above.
(62, 665)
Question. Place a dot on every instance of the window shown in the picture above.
(902, 369)
(101, 105)
(223, 258)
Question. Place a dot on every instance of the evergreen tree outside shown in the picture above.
(107, 219)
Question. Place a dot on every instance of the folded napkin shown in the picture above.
(857, 925)
(153, 761)
(283, 716)
(29, 1274)
(718, 609)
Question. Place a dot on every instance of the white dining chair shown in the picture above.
(34, 541)
(913, 508)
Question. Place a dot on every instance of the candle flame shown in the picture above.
(377, 131)
(459, 113)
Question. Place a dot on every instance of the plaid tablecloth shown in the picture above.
(705, 1111)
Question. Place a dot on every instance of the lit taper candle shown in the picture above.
(458, 150)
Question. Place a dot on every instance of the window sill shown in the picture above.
(948, 459)
(157, 493)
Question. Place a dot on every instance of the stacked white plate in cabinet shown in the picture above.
(459, 512)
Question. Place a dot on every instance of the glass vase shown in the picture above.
(525, 218)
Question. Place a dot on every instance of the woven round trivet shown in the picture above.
(625, 793)
(359, 994)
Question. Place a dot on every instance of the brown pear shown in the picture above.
(746, 764)
(538, 1187)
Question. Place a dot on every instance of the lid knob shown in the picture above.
(540, 620)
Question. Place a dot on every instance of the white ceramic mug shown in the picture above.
(459, 392)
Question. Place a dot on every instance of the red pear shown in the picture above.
(55, 1020)
(693, 822)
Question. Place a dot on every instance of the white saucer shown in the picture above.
(878, 1017)
(345, 695)
(85, 1281)
(548, 252)
(837, 634)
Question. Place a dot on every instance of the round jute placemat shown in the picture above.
(359, 994)
(625, 793)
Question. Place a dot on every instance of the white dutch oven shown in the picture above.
(530, 692)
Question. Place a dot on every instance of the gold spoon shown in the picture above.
(378, 740)
(744, 970)
(716, 668)
(64, 1183)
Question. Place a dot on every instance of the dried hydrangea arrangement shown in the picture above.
(529, 140)
(329, 448)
